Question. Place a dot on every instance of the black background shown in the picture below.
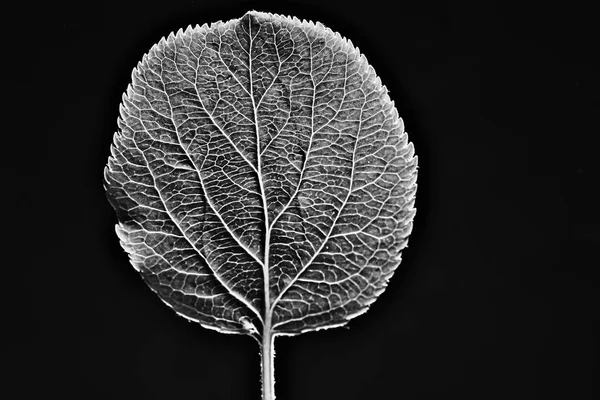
(498, 293)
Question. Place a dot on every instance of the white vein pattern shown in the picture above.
(261, 176)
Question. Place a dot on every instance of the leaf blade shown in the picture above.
(278, 156)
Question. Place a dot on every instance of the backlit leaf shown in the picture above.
(263, 181)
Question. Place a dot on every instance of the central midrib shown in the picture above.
(267, 293)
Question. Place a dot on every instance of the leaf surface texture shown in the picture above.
(261, 173)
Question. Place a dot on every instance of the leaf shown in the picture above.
(263, 181)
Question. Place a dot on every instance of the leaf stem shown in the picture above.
(267, 360)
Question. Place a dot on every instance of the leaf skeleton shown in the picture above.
(263, 181)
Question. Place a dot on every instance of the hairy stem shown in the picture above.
(267, 359)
